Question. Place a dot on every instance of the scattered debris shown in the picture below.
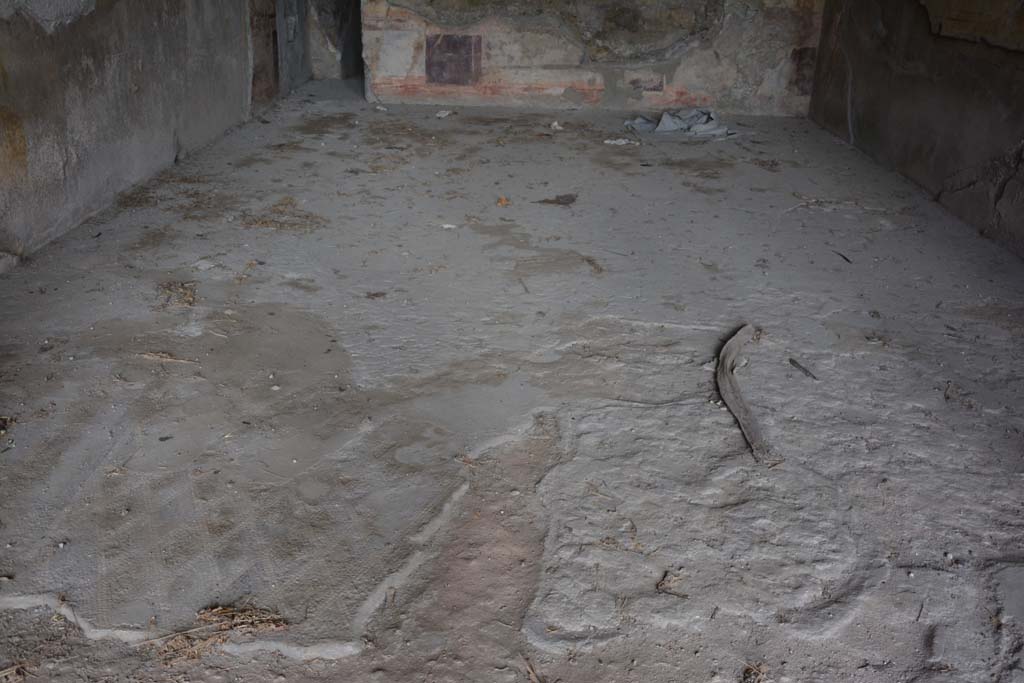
(503, 201)
(444, 113)
(771, 165)
(876, 338)
(831, 204)
(178, 293)
(381, 107)
(249, 267)
(801, 368)
(842, 256)
(953, 391)
(6, 423)
(531, 672)
(15, 672)
(285, 214)
(449, 226)
(202, 203)
(216, 626)
(695, 122)
(559, 200)
(754, 673)
(139, 197)
(376, 295)
(595, 265)
(622, 142)
(556, 126)
(730, 392)
(667, 585)
(325, 124)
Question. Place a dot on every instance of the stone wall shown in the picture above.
(293, 44)
(323, 26)
(749, 56)
(935, 90)
(97, 95)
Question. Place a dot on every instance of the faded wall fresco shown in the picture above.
(754, 56)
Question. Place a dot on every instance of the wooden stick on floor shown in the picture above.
(730, 392)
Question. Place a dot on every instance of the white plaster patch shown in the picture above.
(395, 54)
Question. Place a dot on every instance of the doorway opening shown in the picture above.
(266, 76)
(350, 38)
(340, 26)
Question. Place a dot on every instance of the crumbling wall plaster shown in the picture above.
(322, 27)
(933, 100)
(750, 56)
(48, 14)
(996, 22)
(97, 97)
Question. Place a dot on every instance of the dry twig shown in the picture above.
(667, 585)
(165, 357)
(796, 364)
(531, 672)
(16, 672)
(216, 626)
(755, 673)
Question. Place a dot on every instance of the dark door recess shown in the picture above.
(265, 76)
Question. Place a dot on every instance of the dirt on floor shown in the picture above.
(363, 395)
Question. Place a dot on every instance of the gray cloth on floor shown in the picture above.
(696, 122)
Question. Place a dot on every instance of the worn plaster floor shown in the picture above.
(324, 369)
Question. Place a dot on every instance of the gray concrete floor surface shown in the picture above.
(324, 369)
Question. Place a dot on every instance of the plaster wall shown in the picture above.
(752, 56)
(935, 90)
(97, 96)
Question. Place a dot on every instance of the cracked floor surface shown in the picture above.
(346, 365)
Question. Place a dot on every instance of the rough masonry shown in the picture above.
(933, 89)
